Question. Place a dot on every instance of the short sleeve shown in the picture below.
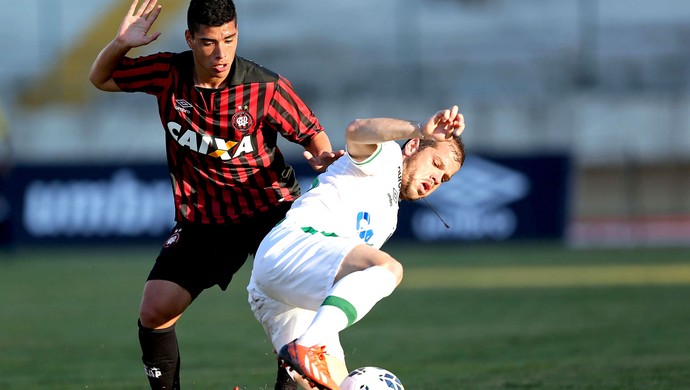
(386, 155)
(149, 74)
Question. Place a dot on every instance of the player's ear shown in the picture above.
(189, 38)
(411, 147)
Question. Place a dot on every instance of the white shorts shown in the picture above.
(293, 273)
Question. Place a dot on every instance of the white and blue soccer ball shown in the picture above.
(371, 378)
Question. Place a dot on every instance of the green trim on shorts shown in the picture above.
(343, 305)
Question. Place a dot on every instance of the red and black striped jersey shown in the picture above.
(222, 154)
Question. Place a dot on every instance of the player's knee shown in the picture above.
(363, 257)
(383, 259)
(148, 317)
(152, 317)
(395, 268)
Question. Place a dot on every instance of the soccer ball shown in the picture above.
(371, 378)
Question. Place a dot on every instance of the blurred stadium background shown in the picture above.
(579, 109)
(578, 117)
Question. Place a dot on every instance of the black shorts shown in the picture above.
(197, 257)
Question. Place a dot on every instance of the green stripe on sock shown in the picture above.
(343, 305)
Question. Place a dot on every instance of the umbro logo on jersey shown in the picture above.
(183, 105)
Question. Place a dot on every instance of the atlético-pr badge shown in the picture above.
(242, 121)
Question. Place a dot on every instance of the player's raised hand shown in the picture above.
(443, 125)
(135, 26)
(320, 163)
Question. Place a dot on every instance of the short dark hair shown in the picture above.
(456, 140)
(212, 13)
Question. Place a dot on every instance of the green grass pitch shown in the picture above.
(529, 316)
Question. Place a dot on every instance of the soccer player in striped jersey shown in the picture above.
(321, 269)
(221, 115)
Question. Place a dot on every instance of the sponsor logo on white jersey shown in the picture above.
(363, 226)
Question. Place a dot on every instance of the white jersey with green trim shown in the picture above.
(354, 199)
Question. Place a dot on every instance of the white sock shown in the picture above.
(348, 301)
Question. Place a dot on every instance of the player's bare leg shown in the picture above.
(162, 305)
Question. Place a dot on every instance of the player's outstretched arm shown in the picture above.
(362, 135)
(319, 153)
(133, 32)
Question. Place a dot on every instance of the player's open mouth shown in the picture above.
(220, 67)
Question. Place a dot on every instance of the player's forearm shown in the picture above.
(319, 144)
(102, 69)
(377, 130)
(363, 135)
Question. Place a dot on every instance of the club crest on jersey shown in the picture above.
(242, 120)
(172, 240)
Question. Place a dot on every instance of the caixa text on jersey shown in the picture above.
(209, 145)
